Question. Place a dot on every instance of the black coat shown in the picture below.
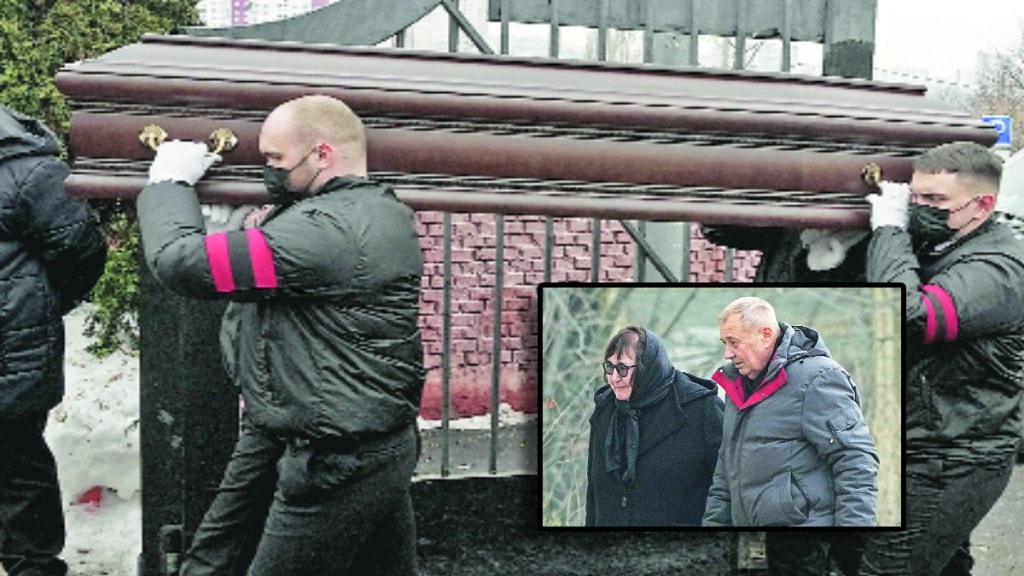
(51, 255)
(321, 333)
(784, 257)
(964, 336)
(679, 437)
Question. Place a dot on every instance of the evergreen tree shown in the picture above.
(37, 37)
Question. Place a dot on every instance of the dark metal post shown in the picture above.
(849, 38)
(189, 418)
(499, 284)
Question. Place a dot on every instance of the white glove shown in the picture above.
(890, 208)
(181, 161)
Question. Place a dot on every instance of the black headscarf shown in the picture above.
(651, 383)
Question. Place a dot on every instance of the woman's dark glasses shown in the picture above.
(621, 368)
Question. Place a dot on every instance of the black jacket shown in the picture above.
(321, 334)
(51, 255)
(679, 437)
(783, 255)
(965, 341)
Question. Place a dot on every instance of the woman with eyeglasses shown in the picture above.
(654, 437)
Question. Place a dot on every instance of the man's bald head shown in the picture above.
(321, 124)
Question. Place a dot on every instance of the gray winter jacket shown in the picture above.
(797, 451)
(321, 334)
(51, 255)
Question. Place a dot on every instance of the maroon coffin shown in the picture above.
(465, 132)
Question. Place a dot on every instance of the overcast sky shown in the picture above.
(943, 37)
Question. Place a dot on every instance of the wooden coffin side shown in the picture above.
(517, 136)
(240, 77)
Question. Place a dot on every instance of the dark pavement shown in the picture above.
(475, 523)
(998, 542)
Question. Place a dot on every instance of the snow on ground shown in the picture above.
(94, 435)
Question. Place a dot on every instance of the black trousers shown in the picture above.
(286, 508)
(945, 501)
(31, 513)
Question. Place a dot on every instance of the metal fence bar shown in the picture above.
(694, 35)
(645, 246)
(741, 35)
(787, 35)
(648, 31)
(446, 346)
(452, 6)
(463, 24)
(554, 35)
(602, 32)
(684, 272)
(595, 250)
(549, 245)
(641, 255)
(499, 280)
(504, 26)
(728, 264)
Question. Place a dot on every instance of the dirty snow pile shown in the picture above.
(94, 435)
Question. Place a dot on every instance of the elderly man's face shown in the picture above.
(749, 349)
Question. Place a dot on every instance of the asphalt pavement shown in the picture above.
(997, 544)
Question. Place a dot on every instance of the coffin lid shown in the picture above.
(502, 134)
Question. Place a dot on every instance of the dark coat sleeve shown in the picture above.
(981, 292)
(718, 507)
(741, 237)
(61, 232)
(294, 255)
(591, 510)
(712, 425)
(718, 511)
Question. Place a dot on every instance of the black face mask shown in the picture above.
(928, 226)
(276, 181)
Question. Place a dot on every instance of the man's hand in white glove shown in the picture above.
(181, 161)
(890, 207)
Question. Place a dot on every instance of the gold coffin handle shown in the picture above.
(871, 174)
(152, 136)
(221, 140)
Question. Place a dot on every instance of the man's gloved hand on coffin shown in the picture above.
(181, 161)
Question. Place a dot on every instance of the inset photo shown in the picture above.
(722, 406)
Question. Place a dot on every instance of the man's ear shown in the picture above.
(324, 152)
(766, 333)
(987, 202)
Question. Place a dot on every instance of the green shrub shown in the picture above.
(114, 321)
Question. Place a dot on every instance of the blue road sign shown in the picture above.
(1003, 126)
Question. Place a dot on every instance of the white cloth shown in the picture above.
(827, 248)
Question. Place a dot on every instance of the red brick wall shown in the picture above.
(472, 307)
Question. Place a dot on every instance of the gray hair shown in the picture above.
(754, 313)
